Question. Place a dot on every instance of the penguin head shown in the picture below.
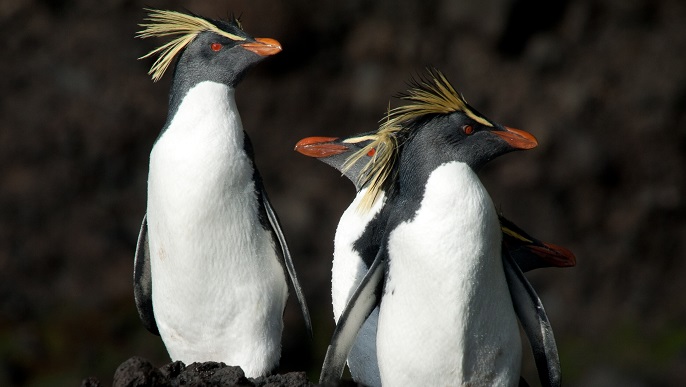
(336, 151)
(207, 50)
(436, 126)
(464, 136)
(214, 57)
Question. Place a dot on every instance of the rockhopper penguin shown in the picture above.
(445, 312)
(355, 245)
(211, 262)
(350, 263)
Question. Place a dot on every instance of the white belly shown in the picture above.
(446, 317)
(218, 288)
(347, 272)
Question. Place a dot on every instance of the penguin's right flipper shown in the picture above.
(534, 321)
(142, 280)
(366, 297)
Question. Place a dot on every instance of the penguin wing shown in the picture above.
(286, 259)
(366, 297)
(535, 323)
(142, 280)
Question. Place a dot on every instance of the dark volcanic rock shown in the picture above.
(211, 374)
(291, 379)
(139, 372)
(91, 382)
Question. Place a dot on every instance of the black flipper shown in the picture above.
(142, 280)
(535, 323)
(366, 297)
(287, 260)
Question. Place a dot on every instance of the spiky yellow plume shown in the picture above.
(186, 27)
(431, 95)
(383, 148)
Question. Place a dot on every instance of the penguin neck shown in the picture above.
(452, 204)
(180, 87)
(207, 111)
(187, 78)
(419, 159)
(352, 173)
(201, 146)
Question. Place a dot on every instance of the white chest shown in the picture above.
(347, 272)
(348, 267)
(202, 204)
(446, 314)
(218, 289)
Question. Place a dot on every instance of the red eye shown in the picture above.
(468, 129)
(216, 46)
(371, 152)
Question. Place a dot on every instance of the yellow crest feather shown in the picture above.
(433, 95)
(161, 23)
(380, 164)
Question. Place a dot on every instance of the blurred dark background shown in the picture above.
(600, 83)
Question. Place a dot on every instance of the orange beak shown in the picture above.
(319, 147)
(517, 139)
(263, 46)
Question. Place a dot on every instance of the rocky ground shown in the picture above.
(139, 372)
(600, 83)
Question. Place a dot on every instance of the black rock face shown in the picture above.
(139, 372)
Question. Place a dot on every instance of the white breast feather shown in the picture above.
(347, 272)
(348, 267)
(218, 289)
(446, 317)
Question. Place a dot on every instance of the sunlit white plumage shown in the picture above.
(479, 343)
(202, 229)
(347, 271)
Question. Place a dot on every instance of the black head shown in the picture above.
(460, 136)
(218, 58)
(436, 126)
(336, 152)
(207, 50)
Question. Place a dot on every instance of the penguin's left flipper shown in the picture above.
(287, 261)
(535, 323)
(142, 280)
(366, 297)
